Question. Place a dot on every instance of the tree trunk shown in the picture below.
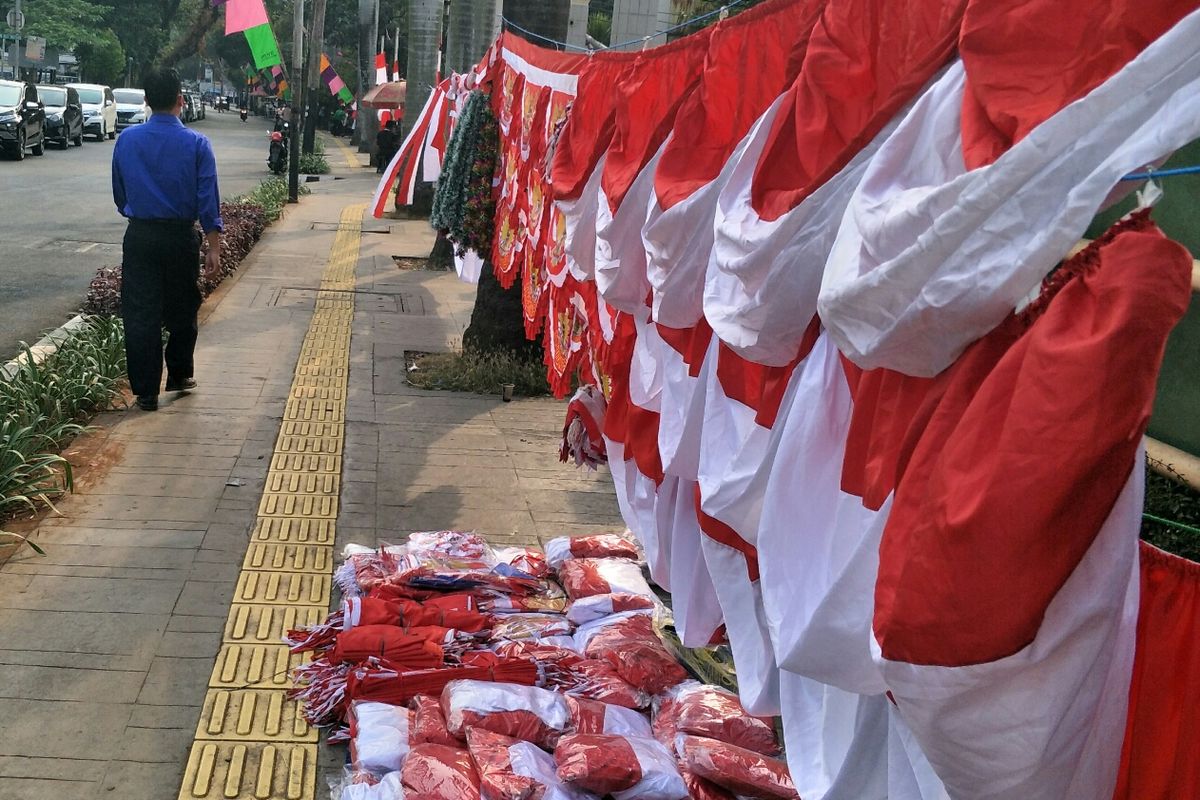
(497, 319)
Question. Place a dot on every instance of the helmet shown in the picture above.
(276, 136)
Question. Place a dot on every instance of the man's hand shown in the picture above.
(212, 259)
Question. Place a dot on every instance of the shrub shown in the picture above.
(313, 164)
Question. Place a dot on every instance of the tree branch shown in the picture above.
(192, 39)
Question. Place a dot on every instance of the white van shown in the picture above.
(131, 107)
(99, 110)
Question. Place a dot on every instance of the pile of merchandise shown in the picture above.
(461, 672)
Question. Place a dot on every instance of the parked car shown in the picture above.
(131, 107)
(197, 102)
(64, 115)
(22, 119)
(188, 112)
(99, 109)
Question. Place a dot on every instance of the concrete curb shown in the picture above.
(45, 347)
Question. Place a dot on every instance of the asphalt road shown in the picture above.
(58, 222)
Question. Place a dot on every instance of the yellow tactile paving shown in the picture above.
(252, 741)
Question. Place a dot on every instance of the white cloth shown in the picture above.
(930, 257)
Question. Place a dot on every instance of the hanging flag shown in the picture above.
(242, 15)
(381, 74)
(281, 84)
(395, 70)
(333, 81)
(263, 46)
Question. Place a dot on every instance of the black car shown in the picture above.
(64, 115)
(22, 119)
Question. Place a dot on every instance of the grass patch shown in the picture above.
(481, 372)
(1170, 500)
(42, 406)
(313, 164)
(271, 195)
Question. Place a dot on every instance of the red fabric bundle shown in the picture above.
(592, 716)
(600, 545)
(597, 679)
(497, 780)
(744, 772)
(389, 643)
(704, 710)
(390, 686)
(522, 712)
(437, 772)
(598, 606)
(637, 654)
(428, 725)
(633, 768)
(530, 626)
(704, 789)
(527, 559)
(586, 577)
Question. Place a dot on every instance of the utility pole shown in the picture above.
(17, 23)
(315, 48)
(297, 102)
(368, 33)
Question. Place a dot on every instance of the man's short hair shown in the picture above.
(162, 89)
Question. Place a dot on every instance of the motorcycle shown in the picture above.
(243, 113)
(277, 155)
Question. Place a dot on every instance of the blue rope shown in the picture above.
(640, 40)
(1161, 173)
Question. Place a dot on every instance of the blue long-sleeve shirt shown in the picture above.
(164, 170)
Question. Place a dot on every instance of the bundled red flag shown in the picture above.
(391, 644)
(359, 612)
(630, 768)
(709, 711)
(429, 724)
(523, 712)
(633, 648)
(592, 716)
(584, 577)
(599, 545)
(437, 772)
(744, 772)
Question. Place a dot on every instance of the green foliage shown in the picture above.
(313, 164)
(102, 60)
(1168, 499)
(43, 405)
(600, 26)
(480, 372)
(272, 196)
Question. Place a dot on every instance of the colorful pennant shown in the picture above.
(241, 15)
(263, 46)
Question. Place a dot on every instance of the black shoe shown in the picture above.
(148, 402)
(185, 385)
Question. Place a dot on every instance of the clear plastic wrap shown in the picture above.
(380, 737)
(530, 561)
(584, 577)
(529, 626)
(632, 646)
(429, 724)
(741, 771)
(523, 712)
(628, 768)
(437, 772)
(497, 778)
(462, 548)
(596, 679)
(599, 606)
(592, 716)
(600, 545)
(712, 712)
(360, 786)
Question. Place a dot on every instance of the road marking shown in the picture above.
(252, 741)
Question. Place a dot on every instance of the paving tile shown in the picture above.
(69, 683)
(124, 595)
(175, 681)
(35, 788)
(139, 780)
(56, 729)
(204, 598)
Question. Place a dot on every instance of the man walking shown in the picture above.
(164, 178)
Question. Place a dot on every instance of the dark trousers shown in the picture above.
(159, 274)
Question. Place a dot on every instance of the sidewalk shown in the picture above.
(108, 644)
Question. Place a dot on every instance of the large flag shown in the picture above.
(263, 46)
(242, 15)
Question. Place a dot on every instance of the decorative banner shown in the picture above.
(263, 46)
(381, 74)
(281, 84)
(334, 82)
(242, 15)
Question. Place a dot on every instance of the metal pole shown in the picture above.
(297, 91)
(17, 48)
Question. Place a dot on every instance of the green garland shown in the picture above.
(463, 203)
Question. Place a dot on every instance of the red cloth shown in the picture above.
(1025, 61)
(1051, 430)
(429, 726)
(751, 59)
(436, 772)
(597, 679)
(638, 655)
(865, 60)
(714, 713)
(744, 772)
(497, 780)
(587, 577)
(597, 762)
(603, 545)
(388, 642)
(1161, 757)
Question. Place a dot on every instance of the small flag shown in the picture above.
(381, 74)
(263, 46)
